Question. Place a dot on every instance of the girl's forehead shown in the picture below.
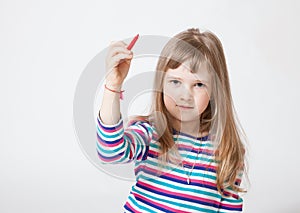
(185, 73)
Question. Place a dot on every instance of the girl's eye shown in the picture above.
(176, 82)
(200, 85)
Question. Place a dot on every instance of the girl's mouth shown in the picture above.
(184, 107)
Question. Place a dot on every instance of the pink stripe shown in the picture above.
(158, 204)
(184, 146)
(155, 136)
(156, 154)
(200, 164)
(231, 205)
(110, 159)
(188, 147)
(180, 194)
(202, 182)
(131, 208)
(139, 131)
(231, 194)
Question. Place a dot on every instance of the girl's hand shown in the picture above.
(118, 61)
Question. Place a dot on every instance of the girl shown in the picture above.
(188, 152)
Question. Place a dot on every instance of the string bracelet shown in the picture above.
(120, 92)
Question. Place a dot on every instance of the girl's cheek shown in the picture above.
(169, 94)
(169, 101)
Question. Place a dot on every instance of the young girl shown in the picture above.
(188, 152)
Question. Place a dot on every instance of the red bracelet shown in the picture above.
(121, 92)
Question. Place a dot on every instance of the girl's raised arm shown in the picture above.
(117, 66)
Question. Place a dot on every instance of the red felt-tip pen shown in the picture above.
(133, 42)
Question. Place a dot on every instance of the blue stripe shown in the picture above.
(139, 206)
(117, 125)
(110, 150)
(232, 200)
(195, 151)
(110, 158)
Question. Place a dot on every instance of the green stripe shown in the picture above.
(202, 144)
(125, 156)
(116, 135)
(139, 206)
(188, 156)
(233, 200)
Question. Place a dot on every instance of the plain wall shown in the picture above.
(45, 46)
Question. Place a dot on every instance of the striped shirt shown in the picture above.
(165, 189)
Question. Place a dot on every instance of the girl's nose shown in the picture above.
(186, 95)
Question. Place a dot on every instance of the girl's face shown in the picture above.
(186, 94)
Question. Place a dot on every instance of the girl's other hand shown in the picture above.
(118, 61)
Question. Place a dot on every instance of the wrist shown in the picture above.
(114, 86)
(116, 90)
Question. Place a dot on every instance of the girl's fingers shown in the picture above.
(118, 43)
(118, 54)
(115, 50)
(115, 60)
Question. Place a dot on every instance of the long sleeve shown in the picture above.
(232, 202)
(116, 145)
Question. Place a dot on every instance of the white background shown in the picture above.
(45, 46)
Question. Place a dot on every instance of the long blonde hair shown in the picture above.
(219, 118)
